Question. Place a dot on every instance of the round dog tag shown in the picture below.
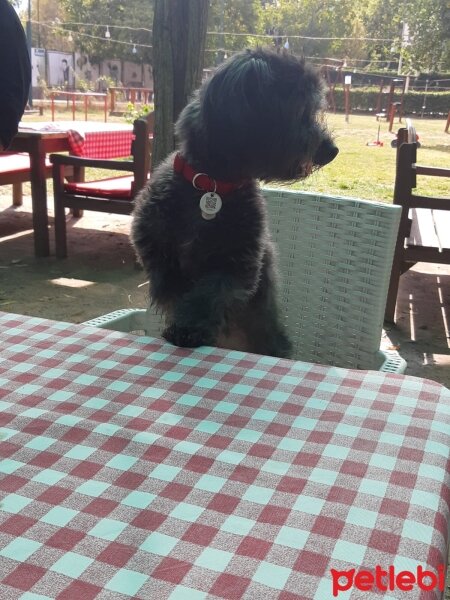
(210, 205)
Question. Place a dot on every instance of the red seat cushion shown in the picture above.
(115, 187)
(16, 163)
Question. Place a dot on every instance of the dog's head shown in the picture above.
(259, 115)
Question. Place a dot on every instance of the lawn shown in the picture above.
(368, 171)
(359, 170)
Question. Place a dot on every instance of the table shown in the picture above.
(91, 139)
(135, 469)
(74, 96)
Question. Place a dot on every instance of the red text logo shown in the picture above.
(388, 580)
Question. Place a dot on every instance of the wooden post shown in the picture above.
(390, 98)
(52, 100)
(379, 106)
(448, 122)
(395, 106)
(179, 34)
(347, 84)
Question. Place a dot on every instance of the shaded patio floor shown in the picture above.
(422, 329)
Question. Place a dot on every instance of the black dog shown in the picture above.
(200, 228)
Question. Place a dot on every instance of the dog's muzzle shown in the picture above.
(326, 152)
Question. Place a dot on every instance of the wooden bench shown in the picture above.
(424, 233)
(15, 170)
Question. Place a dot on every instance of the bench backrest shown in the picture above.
(407, 170)
(424, 232)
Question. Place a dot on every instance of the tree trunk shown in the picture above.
(179, 33)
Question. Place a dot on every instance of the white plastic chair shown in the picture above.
(335, 258)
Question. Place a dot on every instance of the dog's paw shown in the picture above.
(187, 337)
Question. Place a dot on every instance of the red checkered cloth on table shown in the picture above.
(100, 144)
(135, 469)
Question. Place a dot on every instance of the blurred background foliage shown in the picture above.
(365, 34)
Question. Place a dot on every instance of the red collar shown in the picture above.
(202, 181)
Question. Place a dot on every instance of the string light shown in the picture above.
(58, 22)
(253, 35)
(96, 37)
(224, 51)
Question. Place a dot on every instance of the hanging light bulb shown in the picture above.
(70, 38)
(107, 34)
(134, 51)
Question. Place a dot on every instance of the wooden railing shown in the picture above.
(142, 95)
(74, 96)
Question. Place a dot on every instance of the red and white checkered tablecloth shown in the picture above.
(104, 140)
(91, 139)
(134, 469)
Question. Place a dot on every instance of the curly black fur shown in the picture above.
(258, 117)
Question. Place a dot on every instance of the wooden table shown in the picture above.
(40, 139)
(135, 469)
(38, 144)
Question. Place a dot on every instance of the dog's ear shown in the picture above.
(217, 118)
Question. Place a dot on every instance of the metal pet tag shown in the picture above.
(210, 205)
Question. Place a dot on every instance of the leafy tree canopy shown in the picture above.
(362, 32)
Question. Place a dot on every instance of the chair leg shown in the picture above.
(78, 176)
(389, 315)
(398, 265)
(17, 194)
(77, 213)
(60, 229)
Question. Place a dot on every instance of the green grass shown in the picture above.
(368, 172)
(359, 170)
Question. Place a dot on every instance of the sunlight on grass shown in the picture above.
(368, 172)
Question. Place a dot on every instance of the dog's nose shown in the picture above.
(326, 152)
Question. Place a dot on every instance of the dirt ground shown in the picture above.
(100, 275)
